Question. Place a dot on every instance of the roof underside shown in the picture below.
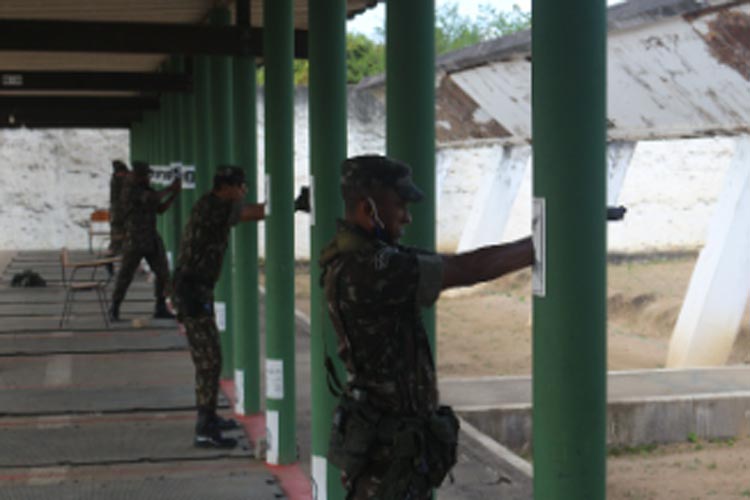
(39, 54)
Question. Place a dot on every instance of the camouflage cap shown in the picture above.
(119, 166)
(229, 174)
(373, 171)
(141, 168)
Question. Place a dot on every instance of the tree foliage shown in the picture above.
(366, 57)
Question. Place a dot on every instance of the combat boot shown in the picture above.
(114, 311)
(161, 311)
(224, 424)
(208, 434)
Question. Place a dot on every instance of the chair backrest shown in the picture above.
(64, 262)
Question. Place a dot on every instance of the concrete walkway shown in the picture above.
(648, 406)
(88, 412)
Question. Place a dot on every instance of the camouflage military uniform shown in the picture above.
(374, 291)
(116, 213)
(140, 203)
(202, 249)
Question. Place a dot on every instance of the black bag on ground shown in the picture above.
(27, 278)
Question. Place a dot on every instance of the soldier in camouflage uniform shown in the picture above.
(390, 437)
(141, 205)
(120, 174)
(202, 249)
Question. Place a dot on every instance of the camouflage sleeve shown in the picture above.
(149, 198)
(399, 275)
(430, 278)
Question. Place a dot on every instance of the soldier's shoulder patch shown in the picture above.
(382, 257)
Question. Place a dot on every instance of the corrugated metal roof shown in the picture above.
(676, 68)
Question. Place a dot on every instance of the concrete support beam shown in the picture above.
(493, 203)
(718, 292)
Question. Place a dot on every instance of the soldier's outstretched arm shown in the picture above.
(486, 263)
(253, 212)
(171, 191)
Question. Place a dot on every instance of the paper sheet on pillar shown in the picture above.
(274, 378)
(239, 392)
(720, 285)
(319, 478)
(220, 310)
(272, 437)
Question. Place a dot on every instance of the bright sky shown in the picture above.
(367, 23)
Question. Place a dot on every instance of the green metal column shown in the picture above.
(222, 138)
(186, 103)
(327, 39)
(175, 145)
(278, 43)
(569, 344)
(203, 125)
(410, 112)
(245, 240)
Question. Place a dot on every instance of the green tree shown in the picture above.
(366, 57)
(454, 31)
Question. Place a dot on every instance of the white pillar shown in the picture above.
(619, 154)
(711, 314)
(492, 204)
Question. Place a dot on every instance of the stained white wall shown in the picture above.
(51, 180)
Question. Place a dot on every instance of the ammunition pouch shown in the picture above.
(420, 452)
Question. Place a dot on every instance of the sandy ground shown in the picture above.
(485, 330)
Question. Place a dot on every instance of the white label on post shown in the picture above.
(312, 203)
(539, 234)
(274, 379)
(268, 195)
(188, 177)
(239, 392)
(319, 478)
(170, 263)
(272, 437)
(220, 309)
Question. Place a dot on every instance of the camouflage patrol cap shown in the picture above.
(368, 172)
(119, 166)
(141, 168)
(229, 174)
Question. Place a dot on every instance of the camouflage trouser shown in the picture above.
(203, 337)
(131, 258)
(368, 483)
(116, 239)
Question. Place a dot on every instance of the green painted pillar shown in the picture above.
(410, 113)
(569, 342)
(175, 123)
(203, 124)
(245, 246)
(171, 218)
(162, 158)
(223, 140)
(186, 126)
(327, 39)
(278, 43)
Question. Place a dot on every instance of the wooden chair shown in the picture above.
(99, 286)
(98, 226)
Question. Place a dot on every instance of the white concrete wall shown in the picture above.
(51, 180)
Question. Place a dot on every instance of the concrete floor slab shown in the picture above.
(70, 342)
(194, 480)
